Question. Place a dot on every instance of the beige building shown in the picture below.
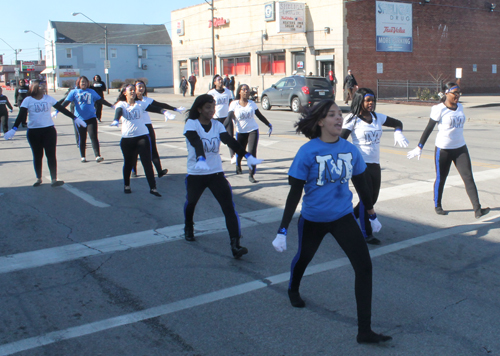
(259, 41)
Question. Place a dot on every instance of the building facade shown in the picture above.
(261, 41)
(76, 49)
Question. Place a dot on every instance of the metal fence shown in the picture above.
(407, 90)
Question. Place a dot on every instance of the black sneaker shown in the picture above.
(295, 299)
(252, 179)
(372, 240)
(162, 173)
(372, 337)
(481, 212)
(189, 233)
(439, 210)
(238, 170)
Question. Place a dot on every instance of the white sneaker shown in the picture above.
(99, 159)
(83, 160)
(233, 159)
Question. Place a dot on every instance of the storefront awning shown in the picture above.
(245, 54)
(47, 71)
(271, 51)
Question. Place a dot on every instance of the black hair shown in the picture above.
(79, 80)
(201, 100)
(213, 80)
(98, 78)
(237, 96)
(358, 100)
(121, 95)
(145, 87)
(311, 116)
(34, 88)
(444, 88)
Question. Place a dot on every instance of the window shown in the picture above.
(144, 53)
(299, 60)
(195, 67)
(207, 66)
(114, 54)
(103, 53)
(273, 63)
(69, 53)
(236, 66)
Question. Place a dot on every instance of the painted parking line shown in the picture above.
(84, 196)
(203, 299)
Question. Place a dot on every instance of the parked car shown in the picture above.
(296, 91)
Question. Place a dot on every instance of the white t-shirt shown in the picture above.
(211, 144)
(366, 137)
(145, 116)
(450, 126)
(39, 111)
(133, 123)
(221, 102)
(244, 115)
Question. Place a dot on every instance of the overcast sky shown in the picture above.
(35, 15)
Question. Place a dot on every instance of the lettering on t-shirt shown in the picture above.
(373, 137)
(457, 122)
(84, 98)
(41, 107)
(211, 144)
(330, 170)
(133, 114)
(245, 115)
(221, 100)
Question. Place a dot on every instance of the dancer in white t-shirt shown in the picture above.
(450, 147)
(242, 111)
(41, 134)
(365, 128)
(204, 168)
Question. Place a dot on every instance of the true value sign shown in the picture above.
(218, 22)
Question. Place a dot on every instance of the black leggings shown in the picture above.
(373, 179)
(221, 189)
(229, 129)
(348, 235)
(82, 137)
(98, 110)
(155, 156)
(252, 140)
(40, 140)
(131, 147)
(4, 118)
(461, 158)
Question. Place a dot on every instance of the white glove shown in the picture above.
(252, 161)
(80, 123)
(400, 139)
(416, 152)
(115, 123)
(201, 164)
(181, 110)
(168, 116)
(54, 114)
(376, 225)
(279, 243)
(9, 134)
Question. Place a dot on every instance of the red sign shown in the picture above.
(28, 66)
(218, 22)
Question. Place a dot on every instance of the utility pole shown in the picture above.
(16, 51)
(213, 36)
(53, 67)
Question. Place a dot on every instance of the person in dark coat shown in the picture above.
(183, 86)
(192, 83)
(351, 84)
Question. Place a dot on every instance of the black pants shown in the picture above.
(40, 140)
(131, 147)
(192, 89)
(373, 179)
(82, 137)
(98, 110)
(461, 158)
(228, 124)
(155, 156)
(348, 235)
(251, 140)
(221, 189)
(4, 118)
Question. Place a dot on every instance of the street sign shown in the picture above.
(107, 64)
(28, 66)
(16, 72)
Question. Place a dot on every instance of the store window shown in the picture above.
(102, 53)
(195, 67)
(207, 67)
(272, 63)
(69, 53)
(114, 53)
(299, 62)
(183, 69)
(236, 66)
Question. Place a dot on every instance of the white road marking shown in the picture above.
(162, 310)
(87, 197)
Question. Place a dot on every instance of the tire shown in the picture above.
(295, 104)
(266, 105)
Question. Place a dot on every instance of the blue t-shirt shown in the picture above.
(326, 168)
(84, 100)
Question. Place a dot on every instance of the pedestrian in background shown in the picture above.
(450, 147)
(192, 83)
(227, 81)
(99, 87)
(19, 95)
(232, 85)
(351, 85)
(183, 85)
(4, 114)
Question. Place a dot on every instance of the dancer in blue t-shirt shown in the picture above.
(322, 168)
(84, 99)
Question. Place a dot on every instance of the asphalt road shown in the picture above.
(88, 270)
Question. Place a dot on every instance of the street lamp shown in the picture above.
(53, 53)
(106, 60)
(16, 51)
(213, 36)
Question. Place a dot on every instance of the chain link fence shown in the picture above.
(407, 90)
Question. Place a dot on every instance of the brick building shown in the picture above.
(441, 36)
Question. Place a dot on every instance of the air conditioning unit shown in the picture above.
(144, 66)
